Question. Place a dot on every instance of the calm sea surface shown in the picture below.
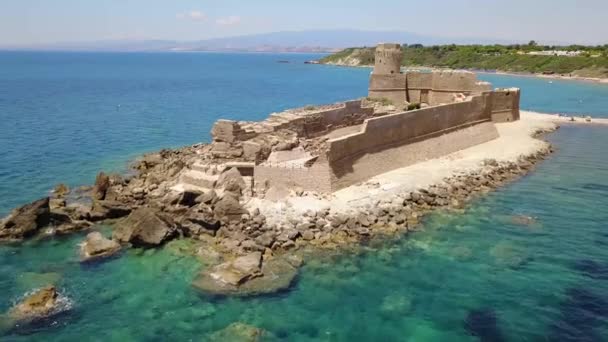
(65, 116)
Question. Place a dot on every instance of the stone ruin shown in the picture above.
(408, 117)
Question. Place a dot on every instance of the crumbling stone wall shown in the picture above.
(313, 178)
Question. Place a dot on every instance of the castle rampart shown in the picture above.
(326, 148)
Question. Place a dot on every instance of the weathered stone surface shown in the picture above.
(144, 227)
(96, 246)
(239, 332)
(229, 207)
(198, 220)
(102, 183)
(209, 197)
(103, 210)
(227, 279)
(61, 190)
(26, 221)
(43, 303)
(231, 181)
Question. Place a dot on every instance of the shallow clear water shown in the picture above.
(546, 281)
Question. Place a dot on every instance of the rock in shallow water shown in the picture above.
(26, 221)
(96, 247)
(144, 227)
(38, 305)
(245, 277)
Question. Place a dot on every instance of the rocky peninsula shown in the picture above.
(260, 194)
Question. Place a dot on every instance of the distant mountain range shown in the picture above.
(287, 41)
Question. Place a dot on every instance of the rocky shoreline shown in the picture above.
(246, 249)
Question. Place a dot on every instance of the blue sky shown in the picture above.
(48, 21)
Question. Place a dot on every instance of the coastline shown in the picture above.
(596, 80)
(277, 234)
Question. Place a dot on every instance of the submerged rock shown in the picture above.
(396, 304)
(239, 332)
(26, 221)
(508, 255)
(96, 246)
(144, 227)
(245, 277)
(41, 304)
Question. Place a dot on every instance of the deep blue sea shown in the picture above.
(65, 116)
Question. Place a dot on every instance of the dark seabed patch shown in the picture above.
(483, 324)
(592, 269)
(581, 313)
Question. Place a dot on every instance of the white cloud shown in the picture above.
(192, 15)
(229, 21)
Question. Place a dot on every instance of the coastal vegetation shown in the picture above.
(573, 60)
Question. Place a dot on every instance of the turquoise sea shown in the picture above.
(472, 276)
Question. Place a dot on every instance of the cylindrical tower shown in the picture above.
(388, 59)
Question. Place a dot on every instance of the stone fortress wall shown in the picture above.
(357, 142)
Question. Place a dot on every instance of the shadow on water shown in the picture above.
(580, 315)
(483, 324)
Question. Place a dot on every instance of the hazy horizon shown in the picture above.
(39, 22)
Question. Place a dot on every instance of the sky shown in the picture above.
(32, 22)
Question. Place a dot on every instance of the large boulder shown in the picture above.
(244, 277)
(144, 227)
(198, 220)
(103, 210)
(41, 304)
(102, 183)
(26, 221)
(229, 207)
(96, 247)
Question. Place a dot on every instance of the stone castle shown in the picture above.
(409, 117)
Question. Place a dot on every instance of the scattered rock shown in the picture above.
(103, 210)
(26, 221)
(61, 190)
(40, 304)
(96, 246)
(102, 183)
(144, 227)
(229, 207)
(209, 198)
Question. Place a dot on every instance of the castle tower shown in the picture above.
(388, 59)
